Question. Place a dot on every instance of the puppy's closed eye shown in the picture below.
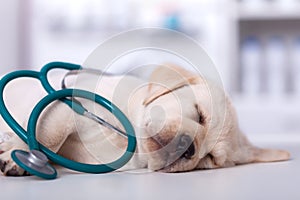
(201, 118)
(186, 147)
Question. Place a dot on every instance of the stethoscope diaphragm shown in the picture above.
(34, 162)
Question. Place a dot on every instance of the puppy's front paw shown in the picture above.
(7, 166)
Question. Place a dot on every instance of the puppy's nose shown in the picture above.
(183, 142)
(185, 147)
(181, 146)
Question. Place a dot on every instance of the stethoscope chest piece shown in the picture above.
(35, 162)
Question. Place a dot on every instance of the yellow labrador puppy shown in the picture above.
(182, 122)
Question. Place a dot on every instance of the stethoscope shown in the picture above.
(35, 161)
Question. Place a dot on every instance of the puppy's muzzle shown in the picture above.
(169, 150)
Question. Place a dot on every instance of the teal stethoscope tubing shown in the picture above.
(29, 137)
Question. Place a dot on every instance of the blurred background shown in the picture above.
(255, 45)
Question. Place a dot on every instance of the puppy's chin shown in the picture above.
(180, 165)
(172, 169)
(156, 164)
(157, 161)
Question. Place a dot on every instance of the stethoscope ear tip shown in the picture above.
(34, 162)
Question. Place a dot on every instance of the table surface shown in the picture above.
(279, 180)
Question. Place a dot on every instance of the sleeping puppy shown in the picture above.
(182, 122)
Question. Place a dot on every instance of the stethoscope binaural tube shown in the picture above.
(29, 137)
(42, 77)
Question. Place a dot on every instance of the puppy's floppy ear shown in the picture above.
(245, 153)
(269, 155)
(240, 152)
(252, 154)
(166, 78)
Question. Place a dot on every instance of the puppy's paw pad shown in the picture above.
(10, 168)
(2, 165)
(14, 171)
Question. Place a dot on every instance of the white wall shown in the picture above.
(9, 39)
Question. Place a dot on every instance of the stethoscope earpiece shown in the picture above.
(34, 162)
